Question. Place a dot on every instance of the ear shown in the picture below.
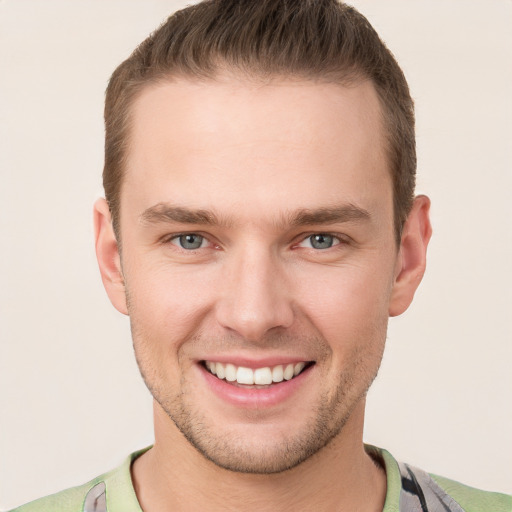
(412, 255)
(109, 259)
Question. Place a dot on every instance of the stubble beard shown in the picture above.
(230, 449)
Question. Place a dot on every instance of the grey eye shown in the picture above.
(321, 241)
(189, 241)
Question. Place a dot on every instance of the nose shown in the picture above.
(255, 295)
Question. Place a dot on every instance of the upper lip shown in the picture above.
(254, 363)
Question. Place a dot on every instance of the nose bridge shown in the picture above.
(255, 294)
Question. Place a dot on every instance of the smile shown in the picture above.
(258, 376)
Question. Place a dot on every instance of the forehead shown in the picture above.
(233, 141)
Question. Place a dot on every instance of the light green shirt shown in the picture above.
(408, 490)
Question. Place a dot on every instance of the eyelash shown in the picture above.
(337, 239)
(177, 236)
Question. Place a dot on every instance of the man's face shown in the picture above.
(257, 232)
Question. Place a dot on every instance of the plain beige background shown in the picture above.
(72, 404)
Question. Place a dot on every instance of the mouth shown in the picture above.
(258, 377)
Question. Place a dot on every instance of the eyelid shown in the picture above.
(175, 240)
(166, 239)
(340, 238)
(172, 236)
(176, 234)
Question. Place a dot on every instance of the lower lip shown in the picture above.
(255, 398)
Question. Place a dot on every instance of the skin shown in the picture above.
(257, 156)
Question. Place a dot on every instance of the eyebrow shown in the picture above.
(328, 215)
(165, 213)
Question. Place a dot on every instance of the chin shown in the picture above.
(259, 448)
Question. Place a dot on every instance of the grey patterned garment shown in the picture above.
(96, 500)
(420, 493)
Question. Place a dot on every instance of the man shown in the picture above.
(259, 228)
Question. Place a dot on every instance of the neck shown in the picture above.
(341, 476)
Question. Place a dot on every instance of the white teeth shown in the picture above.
(288, 372)
(277, 373)
(298, 368)
(244, 375)
(230, 372)
(260, 376)
(221, 372)
(263, 376)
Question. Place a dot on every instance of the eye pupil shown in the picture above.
(191, 241)
(320, 241)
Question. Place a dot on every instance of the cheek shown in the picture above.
(166, 307)
(347, 305)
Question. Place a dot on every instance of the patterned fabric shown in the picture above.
(96, 499)
(409, 489)
(420, 493)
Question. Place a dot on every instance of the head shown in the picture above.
(259, 174)
(324, 41)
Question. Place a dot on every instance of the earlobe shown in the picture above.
(412, 256)
(107, 254)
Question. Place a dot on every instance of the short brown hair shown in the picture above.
(303, 39)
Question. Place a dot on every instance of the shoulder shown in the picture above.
(474, 500)
(110, 491)
(70, 500)
(411, 488)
